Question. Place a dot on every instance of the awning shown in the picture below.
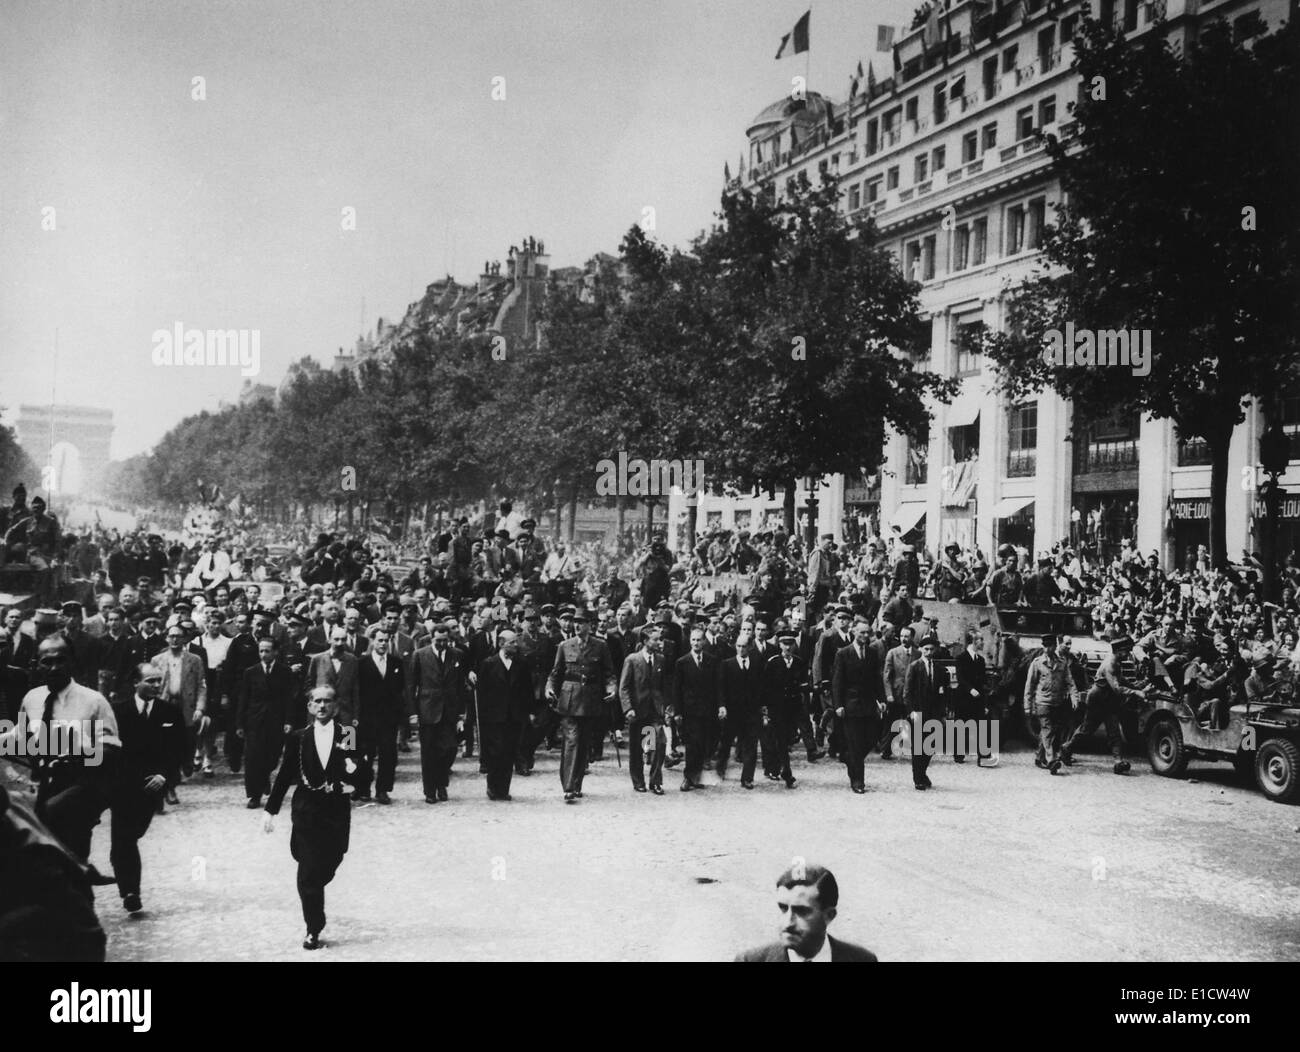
(965, 409)
(907, 516)
(1008, 506)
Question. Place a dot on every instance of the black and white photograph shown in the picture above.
(652, 481)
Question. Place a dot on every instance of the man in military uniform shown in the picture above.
(582, 680)
(1049, 693)
(786, 678)
(1103, 704)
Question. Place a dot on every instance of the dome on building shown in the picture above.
(786, 110)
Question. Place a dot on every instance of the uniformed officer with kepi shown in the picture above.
(581, 681)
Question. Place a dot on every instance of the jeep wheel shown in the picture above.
(1165, 749)
(1277, 769)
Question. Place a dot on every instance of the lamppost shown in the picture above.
(1274, 453)
(810, 525)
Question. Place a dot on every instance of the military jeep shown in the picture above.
(1260, 739)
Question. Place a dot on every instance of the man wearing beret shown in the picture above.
(581, 680)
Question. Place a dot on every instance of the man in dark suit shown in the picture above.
(808, 898)
(643, 693)
(381, 699)
(505, 701)
(318, 761)
(740, 703)
(267, 692)
(695, 706)
(927, 699)
(241, 655)
(823, 665)
(786, 681)
(336, 668)
(17, 660)
(435, 700)
(152, 732)
(971, 697)
(858, 699)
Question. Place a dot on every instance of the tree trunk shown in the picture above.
(573, 513)
(650, 503)
(788, 508)
(1219, 446)
(559, 515)
(619, 512)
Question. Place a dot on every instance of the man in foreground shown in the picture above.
(318, 760)
(807, 898)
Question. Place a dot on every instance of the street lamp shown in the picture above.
(810, 527)
(1274, 454)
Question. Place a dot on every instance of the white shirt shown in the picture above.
(216, 649)
(175, 664)
(381, 662)
(822, 955)
(324, 735)
(506, 661)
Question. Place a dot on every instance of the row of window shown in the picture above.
(885, 131)
(974, 144)
(1022, 231)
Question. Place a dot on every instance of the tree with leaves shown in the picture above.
(792, 329)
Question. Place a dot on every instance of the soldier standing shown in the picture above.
(581, 682)
(1049, 692)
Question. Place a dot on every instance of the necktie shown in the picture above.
(46, 716)
(268, 669)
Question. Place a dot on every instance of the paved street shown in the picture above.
(1005, 864)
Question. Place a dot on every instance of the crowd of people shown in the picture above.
(235, 650)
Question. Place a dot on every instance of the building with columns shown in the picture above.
(944, 155)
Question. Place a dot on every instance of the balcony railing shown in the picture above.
(1115, 455)
(906, 195)
(1022, 463)
(1008, 153)
(1025, 74)
(924, 188)
(954, 175)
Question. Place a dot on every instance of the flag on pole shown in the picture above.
(726, 171)
(871, 81)
(798, 37)
(884, 38)
(854, 81)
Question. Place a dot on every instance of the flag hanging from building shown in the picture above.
(854, 81)
(884, 38)
(798, 37)
(871, 81)
(726, 171)
(932, 33)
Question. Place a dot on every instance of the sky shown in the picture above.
(227, 212)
